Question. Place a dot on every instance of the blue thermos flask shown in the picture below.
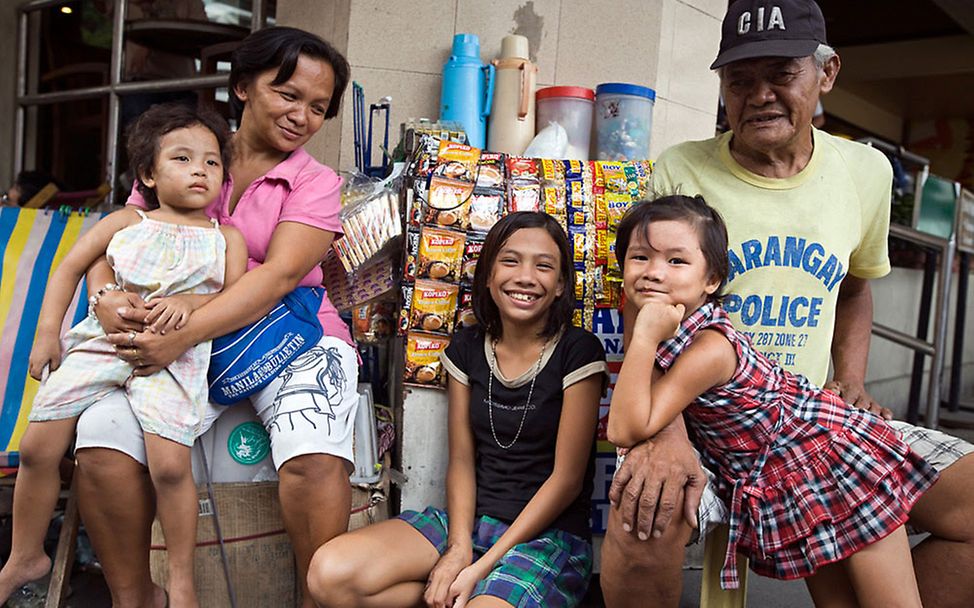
(468, 88)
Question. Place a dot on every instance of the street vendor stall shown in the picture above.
(418, 283)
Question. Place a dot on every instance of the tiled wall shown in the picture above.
(398, 49)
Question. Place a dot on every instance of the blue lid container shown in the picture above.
(623, 121)
(623, 88)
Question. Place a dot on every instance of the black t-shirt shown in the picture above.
(508, 478)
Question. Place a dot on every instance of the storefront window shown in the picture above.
(73, 111)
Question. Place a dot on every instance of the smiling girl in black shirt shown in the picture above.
(524, 388)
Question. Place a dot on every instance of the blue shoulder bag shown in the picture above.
(246, 360)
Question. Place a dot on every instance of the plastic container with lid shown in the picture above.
(623, 121)
(571, 107)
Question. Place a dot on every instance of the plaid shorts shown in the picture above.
(551, 570)
(939, 449)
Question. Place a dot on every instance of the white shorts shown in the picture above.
(939, 449)
(308, 409)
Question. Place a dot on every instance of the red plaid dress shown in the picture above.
(808, 479)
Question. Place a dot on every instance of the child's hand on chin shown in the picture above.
(658, 321)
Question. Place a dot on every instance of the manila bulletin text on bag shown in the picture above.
(244, 361)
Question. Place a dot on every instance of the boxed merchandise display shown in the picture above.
(453, 194)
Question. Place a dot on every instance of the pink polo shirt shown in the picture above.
(299, 189)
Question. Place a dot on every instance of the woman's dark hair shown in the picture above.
(694, 210)
(279, 47)
(144, 136)
(484, 307)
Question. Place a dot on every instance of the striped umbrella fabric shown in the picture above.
(32, 243)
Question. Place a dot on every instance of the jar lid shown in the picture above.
(581, 92)
(625, 89)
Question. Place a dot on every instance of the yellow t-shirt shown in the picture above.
(792, 240)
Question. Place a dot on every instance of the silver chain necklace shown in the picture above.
(490, 396)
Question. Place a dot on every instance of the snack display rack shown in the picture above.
(453, 194)
(408, 286)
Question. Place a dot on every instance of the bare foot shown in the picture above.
(17, 573)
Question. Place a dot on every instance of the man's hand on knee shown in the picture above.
(656, 478)
(855, 394)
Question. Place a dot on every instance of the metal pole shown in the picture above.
(216, 524)
(114, 109)
(214, 81)
(258, 15)
(940, 335)
(903, 339)
(960, 321)
(19, 118)
(923, 324)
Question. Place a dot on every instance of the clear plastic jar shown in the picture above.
(570, 107)
(623, 121)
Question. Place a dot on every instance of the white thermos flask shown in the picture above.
(511, 124)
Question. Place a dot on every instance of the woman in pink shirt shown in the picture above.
(285, 83)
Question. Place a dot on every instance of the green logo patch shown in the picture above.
(248, 443)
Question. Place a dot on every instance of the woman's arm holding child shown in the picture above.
(461, 498)
(60, 288)
(642, 407)
(172, 312)
(576, 432)
(294, 250)
(99, 274)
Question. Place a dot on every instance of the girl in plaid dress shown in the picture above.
(524, 392)
(176, 258)
(816, 489)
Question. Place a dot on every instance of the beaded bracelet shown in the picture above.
(93, 299)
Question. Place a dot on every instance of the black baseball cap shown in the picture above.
(770, 28)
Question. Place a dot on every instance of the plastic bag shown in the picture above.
(550, 142)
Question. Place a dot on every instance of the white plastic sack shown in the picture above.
(550, 142)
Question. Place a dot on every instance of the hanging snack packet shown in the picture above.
(424, 159)
(465, 314)
(457, 218)
(423, 367)
(613, 176)
(632, 184)
(644, 176)
(448, 194)
(490, 171)
(520, 168)
(457, 161)
(406, 301)
(412, 255)
(524, 188)
(576, 237)
(440, 254)
(471, 251)
(579, 282)
(553, 189)
(434, 307)
(485, 211)
(524, 196)
(615, 206)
